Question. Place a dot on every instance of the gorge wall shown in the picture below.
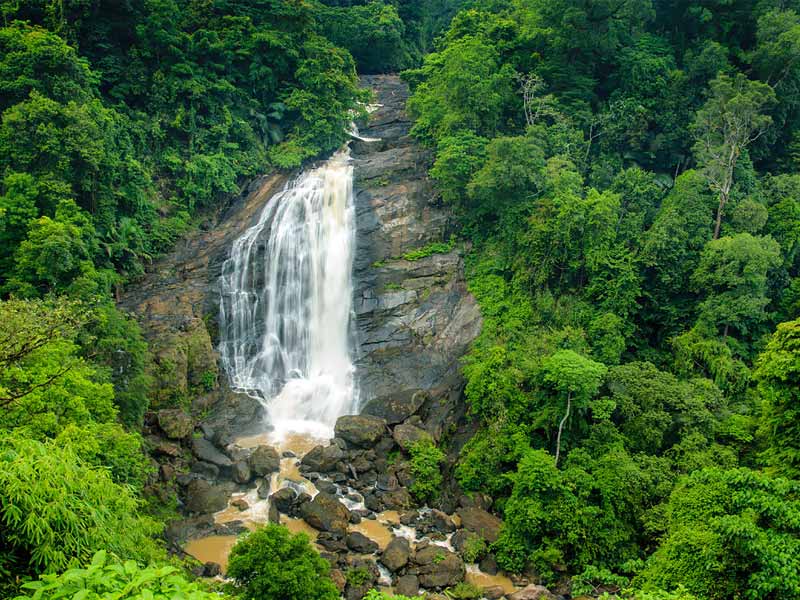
(414, 318)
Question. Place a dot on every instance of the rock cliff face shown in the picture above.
(415, 318)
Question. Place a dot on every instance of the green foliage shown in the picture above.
(474, 548)
(464, 591)
(273, 564)
(778, 376)
(432, 248)
(426, 459)
(106, 577)
(730, 531)
(57, 511)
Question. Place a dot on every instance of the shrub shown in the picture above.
(56, 511)
(425, 461)
(108, 578)
(273, 564)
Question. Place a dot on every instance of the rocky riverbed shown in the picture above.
(349, 495)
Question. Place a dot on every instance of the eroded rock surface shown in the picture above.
(415, 318)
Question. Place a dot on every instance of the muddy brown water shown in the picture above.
(214, 548)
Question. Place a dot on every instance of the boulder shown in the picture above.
(204, 497)
(241, 472)
(205, 450)
(493, 592)
(481, 522)
(326, 513)
(175, 423)
(396, 408)
(397, 554)
(407, 585)
(438, 567)
(205, 469)
(360, 430)
(283, 499)
(322, 458)
(240, 503)
(533, 592)
(406, 435)
(488, 565)
(265, 460)
(263, 489)
(338, 579)
(442, 522)
(398, 499)
(358, 542)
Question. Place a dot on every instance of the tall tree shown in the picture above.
(729, 121)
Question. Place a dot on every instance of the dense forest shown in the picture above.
(626, 178)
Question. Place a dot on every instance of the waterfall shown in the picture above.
(286, 302)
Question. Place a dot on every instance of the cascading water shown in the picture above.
(286, 302)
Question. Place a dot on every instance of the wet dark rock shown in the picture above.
(409, 518)
(211, 569)
(493, 592)
(237, 453)
(241, 472)
(273, 516)
(360, 430)
(358, 542)
(477, 500)
(205, 469)
(181, 530)
(206, 451)
(438, 567)
(263, 489)
(264, 460)
(407, 585)
(355, 518)
(205, 497)
(175, 423)
(331, 542)
(288, 454)
(240, 503)
(396, 408)
(488, 565)
(442, 522)
(397, 554)
(167, 449)
(386, 482)
(533, 592)
(323, 485)
(326, 513)
(398, 499)
(481, 522)
(283, 499)
(322, 458)
(361, 575)
(406, 435)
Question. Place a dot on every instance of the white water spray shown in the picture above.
(286, 303)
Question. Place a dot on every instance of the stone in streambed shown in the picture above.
(283, 499)
(358, 542)
(396, 554)
(326, 513)
(205, 497)
(322, 458)
(481, 522)
(264, 460)
(407, 585)
(241, 472)
(360, 430)
(533, 592)
(208, 452)
(438, 567)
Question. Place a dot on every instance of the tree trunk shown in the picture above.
(723, 200)
(561, 427)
